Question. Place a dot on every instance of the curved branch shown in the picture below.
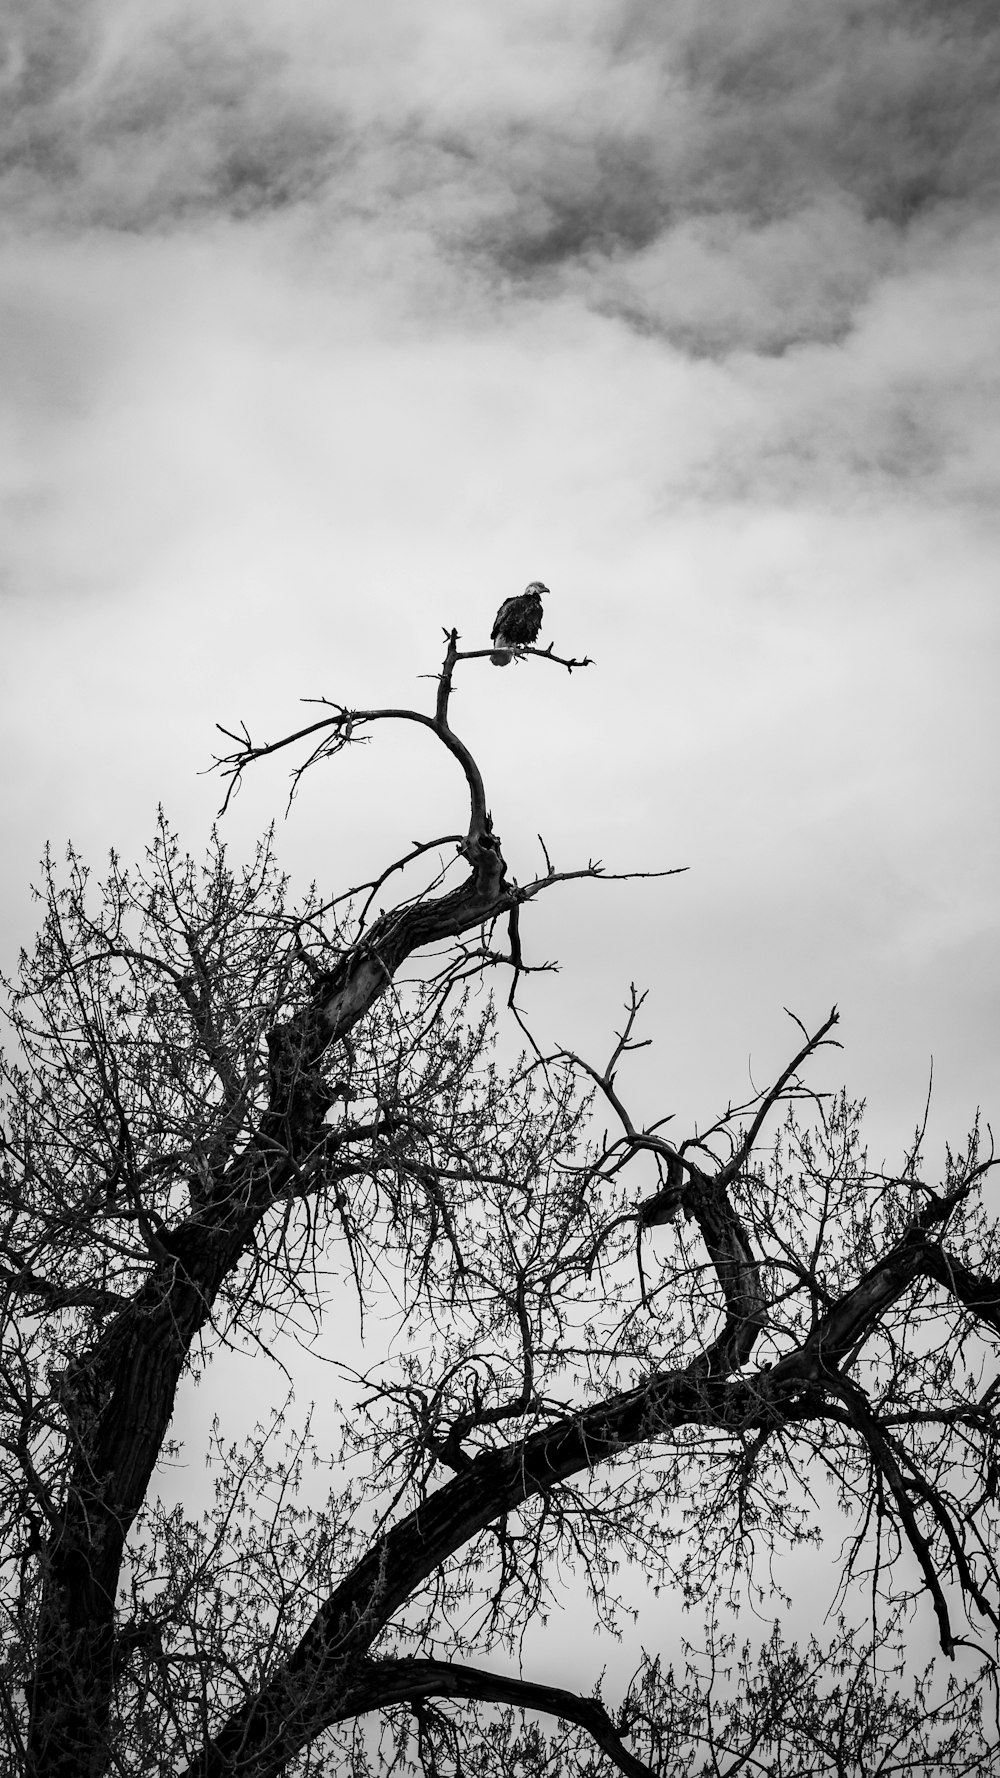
(479, 821)
(264, 1734)
(260, 1737)
(884, 1461)
(400, 1681)
(338, 730)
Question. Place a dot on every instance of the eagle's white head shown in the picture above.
(536, 586)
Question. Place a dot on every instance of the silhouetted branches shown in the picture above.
(592, 1337)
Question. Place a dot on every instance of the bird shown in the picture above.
(518, 622)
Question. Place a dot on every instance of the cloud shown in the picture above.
(141, 123)
(763, 235)
(728, 177)
(324, 325)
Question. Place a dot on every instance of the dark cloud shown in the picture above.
(789, 149)
(724, 176)
(889, 104)
(181, 120)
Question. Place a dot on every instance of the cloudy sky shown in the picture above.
(326, 325)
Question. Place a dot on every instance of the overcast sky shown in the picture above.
(326, 325)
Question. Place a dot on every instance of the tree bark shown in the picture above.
(124, 1389)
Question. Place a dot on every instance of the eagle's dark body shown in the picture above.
(518, 622)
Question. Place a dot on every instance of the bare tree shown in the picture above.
(226, 1116)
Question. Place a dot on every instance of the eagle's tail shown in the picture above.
(500, 657)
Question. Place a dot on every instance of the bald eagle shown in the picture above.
(518, 622)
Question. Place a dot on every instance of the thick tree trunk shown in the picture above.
(133, 1375)
(124, 1389)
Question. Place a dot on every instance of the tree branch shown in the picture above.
(544, 654)
(738, 1160)
(141, 1354)
(400, 1681)
(340, 729)
(268, 1730)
